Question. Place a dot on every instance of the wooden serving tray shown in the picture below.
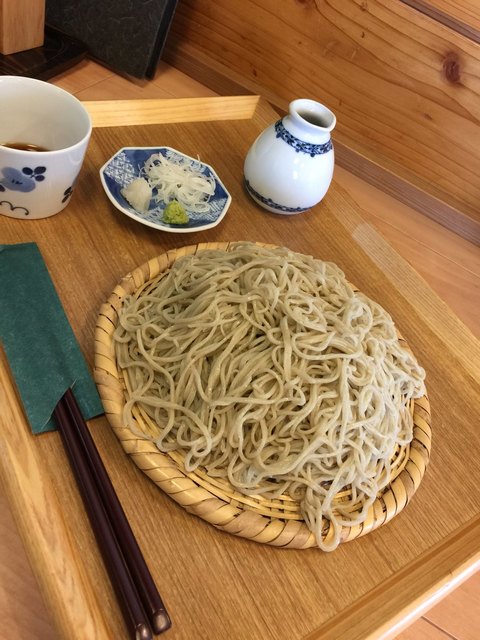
(216, 585)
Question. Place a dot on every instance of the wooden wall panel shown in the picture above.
(22, 25)
(405, 89)
(461, 15)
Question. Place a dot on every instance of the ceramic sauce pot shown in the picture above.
(289, 167)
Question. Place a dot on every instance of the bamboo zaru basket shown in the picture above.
(277, 522)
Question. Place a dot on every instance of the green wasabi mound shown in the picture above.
(174, 213)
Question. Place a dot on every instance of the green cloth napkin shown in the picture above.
(42, 350)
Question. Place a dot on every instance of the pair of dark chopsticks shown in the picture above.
(140, 602)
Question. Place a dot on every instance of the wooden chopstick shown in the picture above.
(141, 605)
(132, 610)
(146, 588)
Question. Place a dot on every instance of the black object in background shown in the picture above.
(126, 35)
(58, 53)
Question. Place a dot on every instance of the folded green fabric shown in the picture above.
(41, 348)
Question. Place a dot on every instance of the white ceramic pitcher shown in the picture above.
(289, 167)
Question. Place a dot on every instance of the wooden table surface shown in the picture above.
(216, 585)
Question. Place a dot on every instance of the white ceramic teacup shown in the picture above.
(38, 182)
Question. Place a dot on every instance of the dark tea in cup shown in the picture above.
(23, 146)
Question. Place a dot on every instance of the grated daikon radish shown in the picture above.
(138, 193)
(177, 179)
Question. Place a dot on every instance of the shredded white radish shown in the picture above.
(176, 179)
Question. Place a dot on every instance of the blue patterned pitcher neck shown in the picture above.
(300, 146)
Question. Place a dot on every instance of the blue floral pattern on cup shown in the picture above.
(300, 146)
(67, 193)
(9, 208)
(24, 180)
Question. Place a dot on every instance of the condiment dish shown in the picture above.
(128, 163)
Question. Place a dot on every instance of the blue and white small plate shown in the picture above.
(127, 164)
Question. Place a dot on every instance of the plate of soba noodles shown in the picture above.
(263, 392)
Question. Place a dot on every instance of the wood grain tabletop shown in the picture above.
(216, 585)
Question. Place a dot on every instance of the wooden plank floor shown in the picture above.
(448, 263)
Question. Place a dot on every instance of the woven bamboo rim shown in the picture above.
(275, 522)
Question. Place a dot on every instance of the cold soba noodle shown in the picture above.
(266, 368)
